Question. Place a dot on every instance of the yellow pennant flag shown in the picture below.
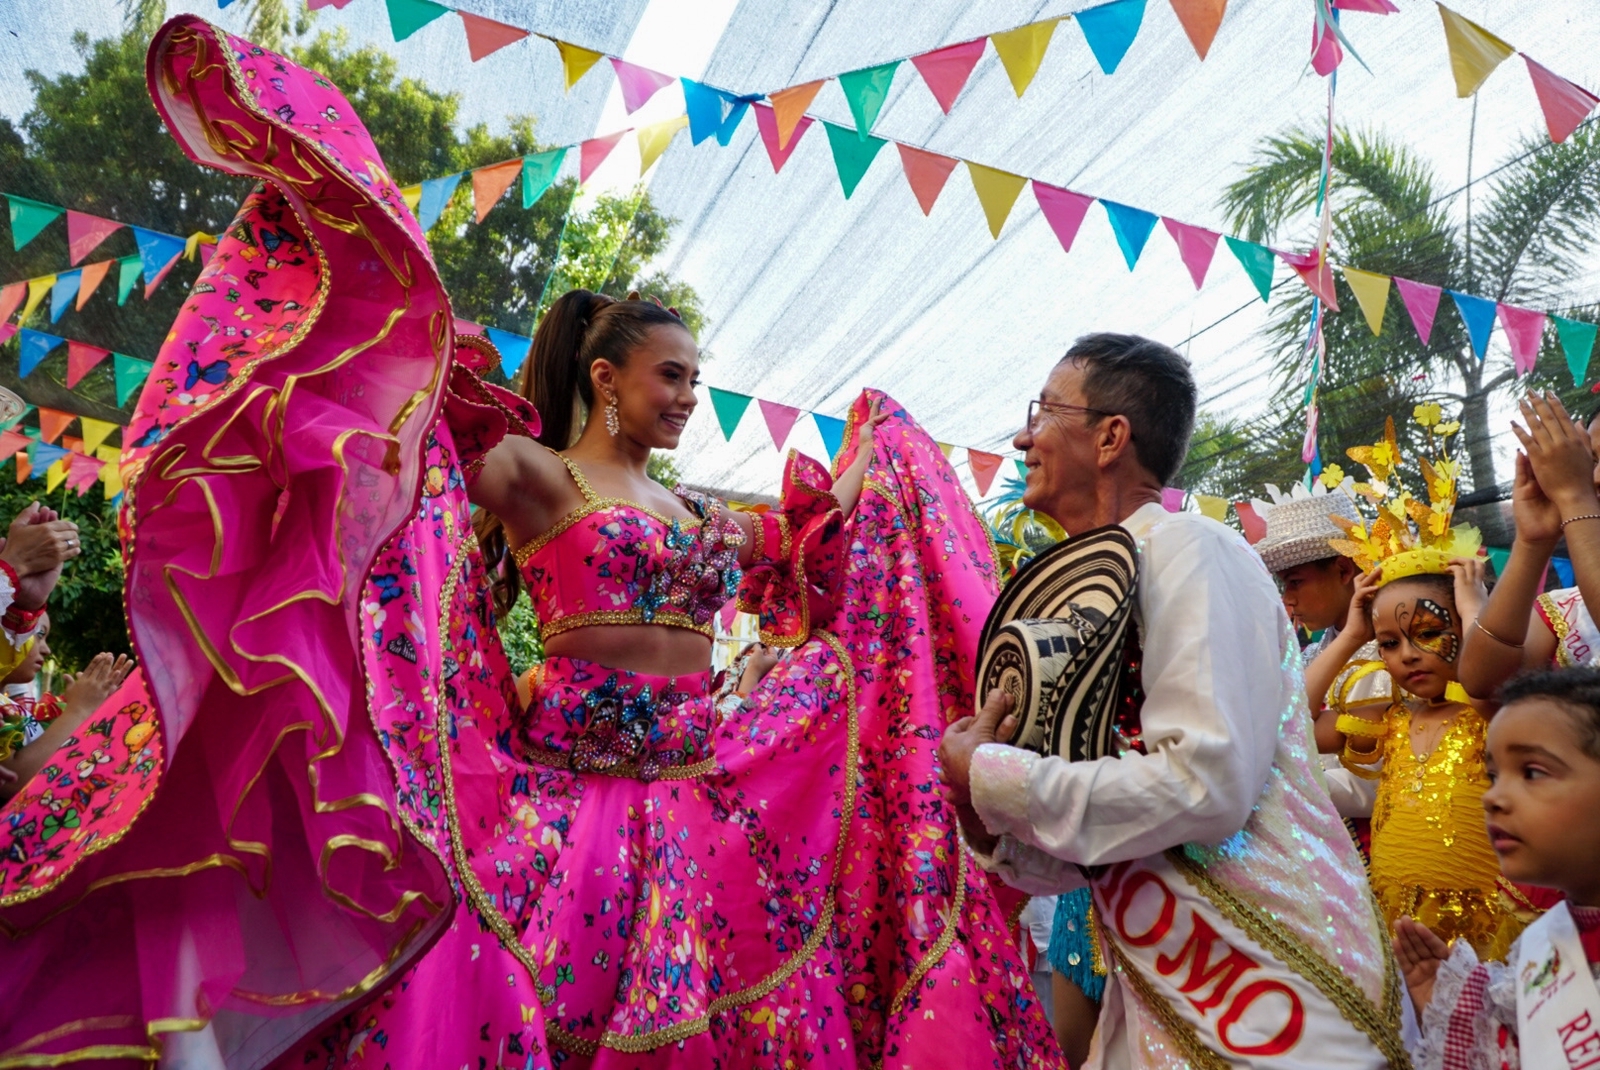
(997, 192)
(412, 196)
(192, 244)
(1215, 508)
(1474, 51)
(1372, 294)
(55, 475)
(945, 448)
(37, 288)
(1022, 50)
(576, 61)
(95, 432)
(111, 474)
(654, 139)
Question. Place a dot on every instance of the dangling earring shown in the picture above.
(613, 421)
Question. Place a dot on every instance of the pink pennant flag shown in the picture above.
(81, 359)
(1326, 55)
(592, 153)
(1422, 301)
(11, 299)
(767, 123)
(1172, 499)
(318, 5)
(1565, 104)
(6, 331)
(468, 327)
(727, 613)
(150, 287)
(638, 84)
(207, 251)
(1524, 330)
(1315, 272)
(1063, 210)
(82, 472)
(927, 172)
(984, 466)
(1255, 529)
(84, 232)
(1371, 7)
(946, 70)
(11, 442)
(486, 35)
(1196, 245)
(780, 419)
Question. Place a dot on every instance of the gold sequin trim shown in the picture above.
(554, 759)
(940, 946)
(1558, 624)
(669, 618)
(1198, 1056)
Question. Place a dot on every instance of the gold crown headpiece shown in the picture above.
(1406, 538)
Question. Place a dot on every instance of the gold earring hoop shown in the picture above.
(613, 421)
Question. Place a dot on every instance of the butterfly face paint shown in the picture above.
(1431, 628)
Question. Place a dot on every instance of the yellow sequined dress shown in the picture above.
(1431, 858)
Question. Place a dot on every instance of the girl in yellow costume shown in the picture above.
(1422, 585)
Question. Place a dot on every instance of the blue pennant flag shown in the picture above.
(1563, 567)
(707, 115)
(156, 251)
(832, 430)
(1478, 314)
(45, 455)
(1110, 29)
(65, 289)
(436, 194)
(513, 349)
(1132, 226)
(36, 345)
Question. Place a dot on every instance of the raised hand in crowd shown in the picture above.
(84, 694)
(38, 543)
(1470, 575)
(1420, 953)
(1325, 668)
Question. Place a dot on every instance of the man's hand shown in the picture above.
(1420, 953)
(1558, 451)
(994, 724)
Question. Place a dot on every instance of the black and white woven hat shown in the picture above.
(1054, 642)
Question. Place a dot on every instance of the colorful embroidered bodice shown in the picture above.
(612, 561)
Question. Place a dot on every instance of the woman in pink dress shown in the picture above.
(345, 842)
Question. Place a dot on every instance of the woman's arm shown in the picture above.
(521, 482)
(847, 488)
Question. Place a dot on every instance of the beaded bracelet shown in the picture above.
(1575, 519)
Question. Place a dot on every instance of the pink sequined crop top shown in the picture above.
(612, 561)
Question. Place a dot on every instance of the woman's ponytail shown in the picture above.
(555, 377)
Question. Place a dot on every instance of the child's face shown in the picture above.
(1419, 637)
(1317, 593)
(1543, 808)
(30, 666)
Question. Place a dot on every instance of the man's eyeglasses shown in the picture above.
(1037, 408)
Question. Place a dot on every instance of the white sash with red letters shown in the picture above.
(1222, 996)
(1577, 638)
(1558, 1005)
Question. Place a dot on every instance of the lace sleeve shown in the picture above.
(797, 557)
(1471, 1022)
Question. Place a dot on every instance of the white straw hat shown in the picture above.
(1298, 528)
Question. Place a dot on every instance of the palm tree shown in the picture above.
(1537, 227)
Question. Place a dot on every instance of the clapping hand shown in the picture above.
(1560, 454)
(38, 543)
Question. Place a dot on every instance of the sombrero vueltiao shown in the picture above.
(1054, 642)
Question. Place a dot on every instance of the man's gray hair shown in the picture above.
(1147, 382)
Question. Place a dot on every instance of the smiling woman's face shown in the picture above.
(654, 389)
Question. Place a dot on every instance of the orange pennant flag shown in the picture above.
(1200, 19)
(24, 466)
(927, 172)
(52, 422)
(490, 183)
(71, 443)
(788, 105)
(486, 35)
(91, 278)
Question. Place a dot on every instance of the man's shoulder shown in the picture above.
(1177, 531)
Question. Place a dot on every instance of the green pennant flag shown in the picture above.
(406, 17)
(1577, 341)
(1257, 261)
(129, 268)
(1022, 469)
(1498, 559)
(28, 218)
(130, 372)
(851, 155)
(539, 173)
(730, 409)
(866, 90)
(11, 423)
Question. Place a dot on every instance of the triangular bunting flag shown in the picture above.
(6, 331)
(945, 448)
(24, 466)
(788, 105)
(66, 288)
(1498, 558)
(1255, 529)
(984, 466)
(93, 274)
(1022, 50)
(1063, 210)
(11, 299)
(780, 421)
(946, 70)
(127, 275)
(1257, 261)
(85, 232)
(1565, 103)
(485, 36)
(1172, 499)
(1110, 29)
(997, 192)
(157, 251)
(1200, 19)
(592, 153)
(131, 372)
(71, 443)
(436, 194)
(852, 157)
(767, 124)
(1372, 294)
(52, 422)
(538, 173)
(1564, 574)
(406, 17)
(638, 84)
(11, 442)
(37, 289)
(1317, 273)
(865, 91)
(1196, 247)
(513, 349)
(1524, 329)
(55, 475)
(29, 217)
(111, 475)
(1326, 53)
(82, 472)
(1577, 341)
(197, 241)
(575, 61)
(81, 359)
(1371, 7)
(468, 327)
(654, 139)
(490, 183)
(95, 432)
(412, 195)
(1132, 226)
(1022, 469)
(1478, 314)
(927, 173)
(730, 409)
(1422, 302)
(831, 428)
(35, 346)
(1474, 51)
(704, 107)
(1213, 507)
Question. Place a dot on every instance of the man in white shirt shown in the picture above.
(1233, 909)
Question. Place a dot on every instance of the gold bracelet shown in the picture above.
(1350, 725)
(1477, 623)
(1360, 768)
(1575, 519)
